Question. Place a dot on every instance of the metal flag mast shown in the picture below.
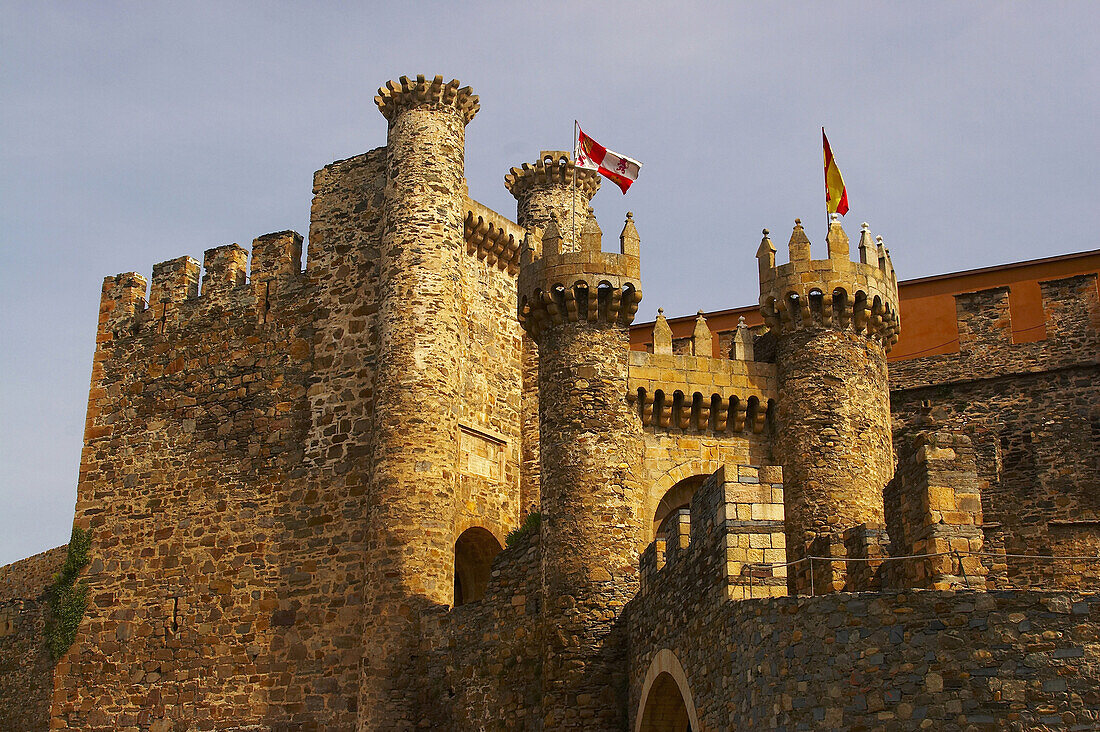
(825, 174)
(573, 207)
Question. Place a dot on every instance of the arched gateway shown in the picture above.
(666, 704)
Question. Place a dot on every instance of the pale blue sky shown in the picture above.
(131, 133)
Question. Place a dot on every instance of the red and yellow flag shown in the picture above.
(836, 195)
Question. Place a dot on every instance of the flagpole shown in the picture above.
(825, 174)
(573, 208)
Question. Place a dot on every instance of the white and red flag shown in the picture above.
(591, 155)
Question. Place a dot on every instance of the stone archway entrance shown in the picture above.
(664, 709)
(474, 552)
(666, 704)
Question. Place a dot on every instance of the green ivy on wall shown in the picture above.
(67, 598)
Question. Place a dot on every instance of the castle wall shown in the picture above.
(26, 670)
(490, 400)
(195, 426)
(1032, 412)
(942, 659)
(485, 658)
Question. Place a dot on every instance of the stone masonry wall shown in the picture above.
(934, 507)
(26, 670)
(484, 658)
(907, 660)
(226, 470)
(892, 660)
(1032, 411)
(195, 427)
(698, 413)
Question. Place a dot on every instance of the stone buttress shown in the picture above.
(414, 480)
(834, 321)
(578, 307)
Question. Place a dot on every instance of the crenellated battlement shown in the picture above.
(590, 284)
(1071, 325)
(174, 295)
(733, 526)
(404, 93)
(834, 292)
(553, 168)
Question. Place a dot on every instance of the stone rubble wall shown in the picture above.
(484, 659)
(892, 660)
(26, 670)
(1032, 411)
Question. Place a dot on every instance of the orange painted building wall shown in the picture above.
(927, 306)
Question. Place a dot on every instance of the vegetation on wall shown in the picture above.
(530, 524)
(67, 598)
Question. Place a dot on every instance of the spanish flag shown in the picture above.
(836, 195)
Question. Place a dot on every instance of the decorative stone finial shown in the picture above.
(799, 244)
(629, 241)
(837, 240)
(866, 243)
(701, 340)
(662, 335)
(741, 348)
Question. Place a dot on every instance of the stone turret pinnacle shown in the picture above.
(629, 241)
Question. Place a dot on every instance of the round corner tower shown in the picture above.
(413, 461)
(578, 306)
(834, 321)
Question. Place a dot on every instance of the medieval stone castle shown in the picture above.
(299, 484)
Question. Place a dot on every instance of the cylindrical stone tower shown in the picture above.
(545, 192)
(834, 322)
(578, 307)
(409, 559)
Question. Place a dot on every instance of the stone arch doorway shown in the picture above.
(676, 497)
(666, 704)
(474, 552)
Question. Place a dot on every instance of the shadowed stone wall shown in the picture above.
(26, 670)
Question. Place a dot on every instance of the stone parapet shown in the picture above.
(492, 237)
(175, 300)
(1071, 306)
(700, 393)
(553, 168)
(588, 285)
(730, 538)
(830, 293)
(405, 93)
(934, 513)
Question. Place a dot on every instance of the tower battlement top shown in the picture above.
(834, 292)
(590, 284)
(554, 167)
(405, 93)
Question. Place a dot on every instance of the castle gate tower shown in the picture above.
(410, 547)
(545, 192)
(834, 320)
(578, 307)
